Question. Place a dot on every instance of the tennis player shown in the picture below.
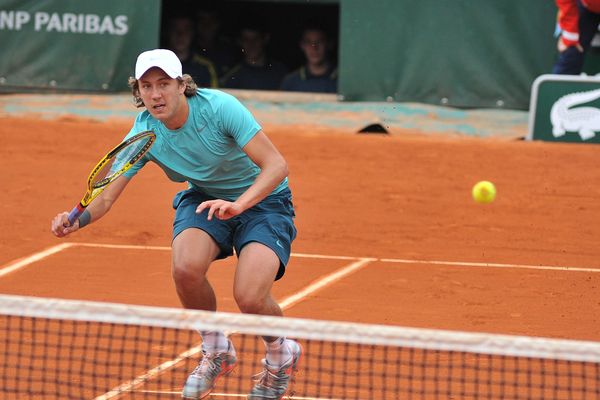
(238, 198)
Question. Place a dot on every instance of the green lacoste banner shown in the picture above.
(74, 45)
(565, 108)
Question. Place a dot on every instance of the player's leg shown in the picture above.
(255, 273)
(263, 244)
(193, 252)
(257, 268)
(195, 247)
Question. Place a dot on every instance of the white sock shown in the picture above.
(278, 352)
(215, 342)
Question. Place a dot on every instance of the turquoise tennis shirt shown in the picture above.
(207, 150)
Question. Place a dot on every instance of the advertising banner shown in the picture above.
(74, 45)
(565, 108)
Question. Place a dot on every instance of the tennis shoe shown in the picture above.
(272, 383)
(204, 377)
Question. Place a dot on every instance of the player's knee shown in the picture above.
(188, 273)
(248, 302)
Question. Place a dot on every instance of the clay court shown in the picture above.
(388, 231)
(399, 205)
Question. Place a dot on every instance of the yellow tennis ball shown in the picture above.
(484, 192)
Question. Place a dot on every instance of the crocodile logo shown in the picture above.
(583, 120)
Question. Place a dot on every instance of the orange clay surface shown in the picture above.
(401, 197)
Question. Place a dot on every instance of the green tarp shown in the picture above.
(463, 53)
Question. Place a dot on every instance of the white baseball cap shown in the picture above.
(161, 58)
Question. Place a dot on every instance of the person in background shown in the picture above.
(180, 37)
(210, 43)
(578, 24)
(319, 73)
(257, 70)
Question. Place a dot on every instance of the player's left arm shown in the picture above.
(273, 168)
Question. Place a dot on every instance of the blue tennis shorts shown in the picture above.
(270, 222)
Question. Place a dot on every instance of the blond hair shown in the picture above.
(187, 80)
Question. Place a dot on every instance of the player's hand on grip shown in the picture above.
(61, 227)
(221, 209)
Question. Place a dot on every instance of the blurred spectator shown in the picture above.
(578, 24)
(319, 73)
(209, 41)
(257, 70)
(180, 37)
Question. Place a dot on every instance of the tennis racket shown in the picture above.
(111, 166)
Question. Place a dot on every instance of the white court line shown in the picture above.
(141, 379)
(163, 248)
(303, 255)
(324, 281)
(123, 246)
(22, 262)
(490, 265)
(25, 261)
(225, 395)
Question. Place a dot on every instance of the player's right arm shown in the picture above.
(98, 208)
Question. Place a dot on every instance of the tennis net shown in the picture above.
(52, 348)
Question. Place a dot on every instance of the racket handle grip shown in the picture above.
(75, 213)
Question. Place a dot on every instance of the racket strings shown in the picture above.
(127, 155)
